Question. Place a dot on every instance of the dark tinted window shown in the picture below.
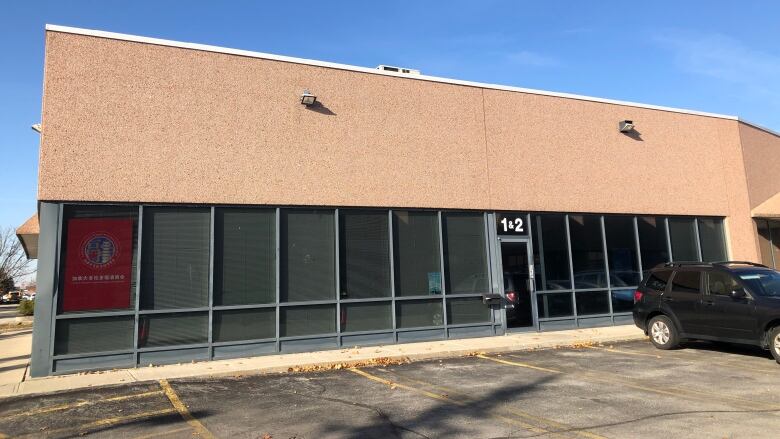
(721, 284)
(712, 239)
(245, 256)
(687, 281)
(550, 252)
(175, 260)
(308, 255)
(658, 280)
(621, 251)
(682, 232)
(416, 251)
(465, 253)
(587, 251)
(652, 241)
(765, 242)
(365, 254)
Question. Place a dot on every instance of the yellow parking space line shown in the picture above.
(518, 364)
(676, 392)
(508, 408)
(100, 423)
(163, 433)
(620, 351)
(729, 363)
(196, 425)
(447, 399)
(73, 405)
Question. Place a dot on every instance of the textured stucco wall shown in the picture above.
(126, 121)
(762, 163)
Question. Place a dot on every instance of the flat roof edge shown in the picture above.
(290, 59)
(759, 127)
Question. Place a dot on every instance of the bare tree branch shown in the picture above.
(13, 262)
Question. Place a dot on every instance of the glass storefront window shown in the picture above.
(551, 254)
(416, 251)
(93, 334)
(623, 300)
(173, 329)
(419, 313)
(554, 305)
(682, 233)
(712, 239)
(621, 251)
(592, 302)
(774, 227)
(245, 256)
(308, 255)
(465, 253)
(765, 242)
(296, 321)
(367, 316)
(364, 250)
(587, 251)
(652, 241)
(175, 259)
(244, 324)
(467, 310)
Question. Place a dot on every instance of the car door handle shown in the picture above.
(667, 299)
(708, 302)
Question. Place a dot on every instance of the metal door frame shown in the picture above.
(531, 274)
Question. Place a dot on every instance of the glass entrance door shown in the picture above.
(518, 283)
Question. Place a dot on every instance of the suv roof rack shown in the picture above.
(752, 264)
(699, 263)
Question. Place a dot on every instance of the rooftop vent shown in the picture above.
(393, 69)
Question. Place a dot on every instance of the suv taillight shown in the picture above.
(637, 296)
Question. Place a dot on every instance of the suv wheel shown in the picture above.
(662, 332)
(774, 343)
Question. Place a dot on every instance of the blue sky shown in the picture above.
(716, 56)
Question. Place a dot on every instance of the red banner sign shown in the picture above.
(98, 264)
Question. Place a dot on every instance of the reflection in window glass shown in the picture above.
(173, 329)
(592, 302)
(682, 232)
(765, 242)
(175, 260)
(465, 254)
(416, 252)
(587, 252)
(686, 281)
(551, 257)
(721, 283)
(554, 305)
(467, 310)
(96, 334)
(623, 300)
(368, 316)
(244, 324)
(365, 254)
(652, 241)
(245, 256)
(418, 313)
(99, 257)
(307, 320)
(621, 251)
(712, 239)
(308, 255)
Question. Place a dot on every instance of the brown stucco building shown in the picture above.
(398, 207)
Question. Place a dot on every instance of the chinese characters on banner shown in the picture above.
(98, 264)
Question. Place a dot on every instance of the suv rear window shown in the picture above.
(658, 279)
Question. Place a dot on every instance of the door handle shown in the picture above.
(667, 299)
(708, 302)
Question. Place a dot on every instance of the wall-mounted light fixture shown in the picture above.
(626, 125)
(36, 127)
(307, 98)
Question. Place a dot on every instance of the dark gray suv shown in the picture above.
(734, 301)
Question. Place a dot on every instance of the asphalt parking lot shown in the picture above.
(616, 391)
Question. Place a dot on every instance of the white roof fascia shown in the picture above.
(289, 59)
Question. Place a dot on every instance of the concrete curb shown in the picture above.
(327, 360)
